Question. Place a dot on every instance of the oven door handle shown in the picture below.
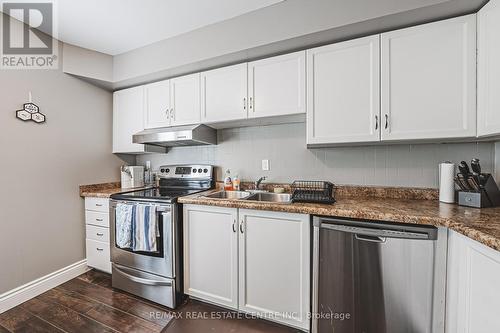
(167, 217)
(141, 280)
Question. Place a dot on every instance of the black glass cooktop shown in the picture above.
(167, 194)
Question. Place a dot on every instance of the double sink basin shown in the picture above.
(258, 196)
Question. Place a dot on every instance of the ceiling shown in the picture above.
(118, 26)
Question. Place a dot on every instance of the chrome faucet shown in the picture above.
(257, 183)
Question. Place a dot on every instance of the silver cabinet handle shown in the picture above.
(98, 205)
(99, 234)
(167, 113)
(241, 227)
(172, 113)
(99, 249)
(251, 104)
(386, 121)
(98, 220)
(234, 226)
(244, 103)
(376, 122)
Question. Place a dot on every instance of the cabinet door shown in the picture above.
(274, 266)
(473, 295)
(343, 92)
(488, 101)
(224, 94)
(277, 86)
(429, 81)
(185, 100)
(128, 119)
(211, 254)
(157, 104)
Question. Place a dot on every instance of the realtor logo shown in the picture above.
(28, 36)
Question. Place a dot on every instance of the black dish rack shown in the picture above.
(312, 191)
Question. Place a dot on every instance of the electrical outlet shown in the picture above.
(265, 165)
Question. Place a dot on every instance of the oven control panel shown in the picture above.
(186, 171)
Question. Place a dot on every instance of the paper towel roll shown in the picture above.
(446, 182)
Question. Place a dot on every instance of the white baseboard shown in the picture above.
(21, 294)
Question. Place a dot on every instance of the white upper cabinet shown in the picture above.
(429, 81)
(488, 102)
(343, 92)
(185, 100)
(173, 102)
(128, 119)
(277, 85)
(224, 94)
(157, 113)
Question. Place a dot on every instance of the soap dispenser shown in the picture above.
(228, 182)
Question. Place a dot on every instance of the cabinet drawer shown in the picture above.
(98, 255)
(98, 233)
(97, 218)
(97, 204)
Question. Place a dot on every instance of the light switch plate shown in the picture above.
(265, 165)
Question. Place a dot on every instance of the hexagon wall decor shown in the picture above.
(31, 112)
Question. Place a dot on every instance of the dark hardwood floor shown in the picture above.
(88, 303)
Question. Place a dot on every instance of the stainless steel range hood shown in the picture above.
(189, 135)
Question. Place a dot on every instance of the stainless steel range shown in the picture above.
(157, 274)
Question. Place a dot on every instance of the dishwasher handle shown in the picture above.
(373, 239)
(381, 233)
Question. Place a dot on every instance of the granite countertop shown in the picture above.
(419, 206)
(482, 225)
(104, 190)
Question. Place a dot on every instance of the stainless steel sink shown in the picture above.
(228, 195)
(271, 197)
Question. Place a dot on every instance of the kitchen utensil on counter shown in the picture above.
(473, 183)
(463, 180)
(312, 191)
(475, 166)
(479, 195)
(461, 186)
(132, 176)
(446, 182)
(463, 168)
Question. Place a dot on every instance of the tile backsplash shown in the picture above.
(242, 150)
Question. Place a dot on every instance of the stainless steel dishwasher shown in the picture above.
(376, 277)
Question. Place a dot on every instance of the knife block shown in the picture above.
(488, 196)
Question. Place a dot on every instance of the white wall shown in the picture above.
(242, 149)
(41, 213)
(87, 63)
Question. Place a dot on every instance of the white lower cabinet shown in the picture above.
(211, 254)
(274, 271)
(473, 293)
(97, 233)
(252, 261)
